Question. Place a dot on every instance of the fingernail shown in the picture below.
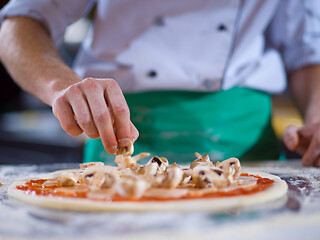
(124, 142)
(113, 150)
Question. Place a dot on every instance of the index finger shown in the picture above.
(120, 112)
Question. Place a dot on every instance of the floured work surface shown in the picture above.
(298, 217)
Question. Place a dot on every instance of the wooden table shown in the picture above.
(298, 217)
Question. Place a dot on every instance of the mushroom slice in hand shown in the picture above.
(126, 151)
(231, 168)
(118, 159)
(201, 161)
(204, 177)
(100, 177)
(173, 177)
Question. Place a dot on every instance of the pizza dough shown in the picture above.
(155, 186)
(276, 191)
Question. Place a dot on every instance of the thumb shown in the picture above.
(291, 137)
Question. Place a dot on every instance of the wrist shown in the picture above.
(312, 113)
(58, 84)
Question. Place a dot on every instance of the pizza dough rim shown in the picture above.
(278, 190)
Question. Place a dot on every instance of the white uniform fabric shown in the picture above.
(198, 45)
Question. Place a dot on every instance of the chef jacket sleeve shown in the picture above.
(55, 15)
(295, 31)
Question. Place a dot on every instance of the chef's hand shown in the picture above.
(306, 141)
(98, 108)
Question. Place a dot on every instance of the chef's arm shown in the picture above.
(33, 61)
(304, 86)
(98, 105)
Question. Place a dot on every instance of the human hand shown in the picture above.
(305, 141)
(98, 108)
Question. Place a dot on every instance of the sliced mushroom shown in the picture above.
(51, 183)
(173, 177)
(128, 161)
(157, 180)
(67, 179)
(187, 183)
(231, 168)
(126, 151)
(126, 172)
(118, 159)
(100, 177)
(132, 171)
(124, 162)
(187, 175)
(90, 164)
(204, 177)
(163, 193)
(162, 163)
(201, 161)
(131, 187)
(139, 156)
(187, 172)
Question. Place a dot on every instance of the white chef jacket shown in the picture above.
(198, 45)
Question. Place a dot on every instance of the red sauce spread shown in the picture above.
(36, 187)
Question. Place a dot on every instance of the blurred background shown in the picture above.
(29, 133)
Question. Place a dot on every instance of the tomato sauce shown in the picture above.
(36, 187)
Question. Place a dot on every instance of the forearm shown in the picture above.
(32, 59)
(305, 88)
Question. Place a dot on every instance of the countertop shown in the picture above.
(295, 217)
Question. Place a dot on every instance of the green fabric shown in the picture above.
(175, 124)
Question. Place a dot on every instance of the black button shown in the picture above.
(158, 21)
(208, 83)
(222, 27)
(152, 74)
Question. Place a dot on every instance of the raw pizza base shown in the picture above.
(276, 191)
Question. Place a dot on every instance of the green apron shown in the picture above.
(176, 124)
